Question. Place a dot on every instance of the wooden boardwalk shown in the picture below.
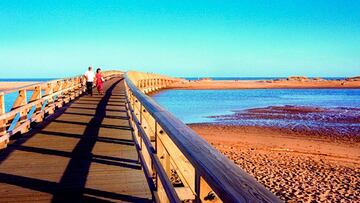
(83, 153)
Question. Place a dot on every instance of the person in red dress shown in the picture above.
(99, 81)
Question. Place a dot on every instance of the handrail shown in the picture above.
(203, 170)
(33, 85)
(171, 193)
(23, 112)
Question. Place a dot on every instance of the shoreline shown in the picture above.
(290, 83)
(292, 165)
(298, 82)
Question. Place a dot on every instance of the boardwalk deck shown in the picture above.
(83, 153)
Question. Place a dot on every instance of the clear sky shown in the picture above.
(40, 38)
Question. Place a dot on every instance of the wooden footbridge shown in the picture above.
(61, 145)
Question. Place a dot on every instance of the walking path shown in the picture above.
(83, 153)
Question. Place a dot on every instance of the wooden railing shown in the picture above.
(179, 165)
(45, 98)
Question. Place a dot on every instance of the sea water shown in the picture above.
(197, 106)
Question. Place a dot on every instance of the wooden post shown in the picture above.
(79, 84)
(164, 157)
(36, 95)
(185, 169)
(160, 191)
(206, 193)
(162, 83)
(146, 127)
(50, 106)
(59, 101)
(66, 94)
(76, 87)
(57, 86)
(19, 102)
(71, 92)
(2, 103)
(4, 138)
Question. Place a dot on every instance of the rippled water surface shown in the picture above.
(196, 106)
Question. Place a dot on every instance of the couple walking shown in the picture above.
(91, 77)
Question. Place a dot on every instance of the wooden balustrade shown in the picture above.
(45, 99)
(180, 165)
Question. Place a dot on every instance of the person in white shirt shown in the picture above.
(90, 76)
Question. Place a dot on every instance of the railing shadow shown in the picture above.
(78, 167)
(99, 139)
(88, 108)
(107, 116)
(115, 161)
(52, 187)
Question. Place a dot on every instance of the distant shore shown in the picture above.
(293, 165)
(290, 83)
(297, 82)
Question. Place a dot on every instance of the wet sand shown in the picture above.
(328, 122)
(267, 84)
(296, 166)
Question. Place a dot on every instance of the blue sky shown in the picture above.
(51, 38)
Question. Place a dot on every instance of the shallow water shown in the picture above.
(196, 106)
(11, 97)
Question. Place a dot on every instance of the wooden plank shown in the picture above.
(183, 166)
(185, 193)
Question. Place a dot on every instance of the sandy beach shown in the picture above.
(12, 85)
(296, 166)
(291, 82)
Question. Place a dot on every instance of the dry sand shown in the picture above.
(293, 165)
(12, 85)
(267, 84)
